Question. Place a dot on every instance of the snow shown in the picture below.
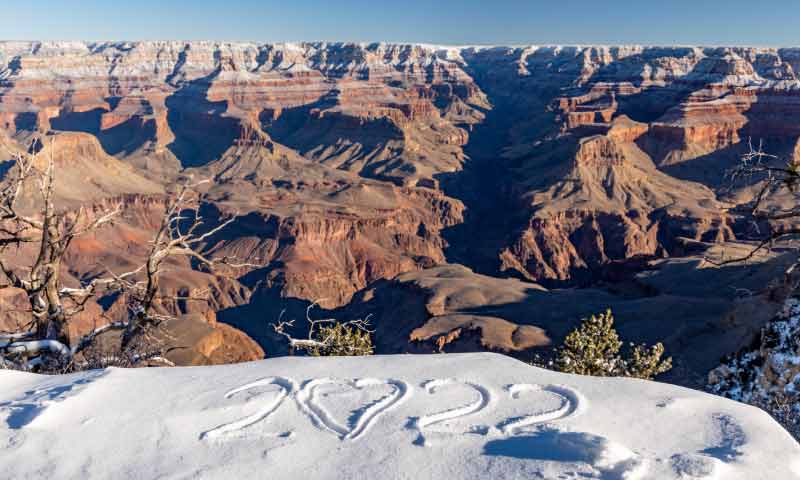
(438, 416)
(769, 373)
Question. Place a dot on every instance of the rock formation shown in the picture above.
(349, 165)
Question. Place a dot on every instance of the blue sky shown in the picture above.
(731, 22)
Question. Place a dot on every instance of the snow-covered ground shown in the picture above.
(768, 374)
(416, 417)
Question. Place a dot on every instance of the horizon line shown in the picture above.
(414, 43)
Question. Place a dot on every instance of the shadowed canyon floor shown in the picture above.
(468, 198)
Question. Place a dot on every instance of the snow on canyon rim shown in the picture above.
(438, 416)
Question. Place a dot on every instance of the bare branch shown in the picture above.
(756, 165)
(45, 341)
(312, 341)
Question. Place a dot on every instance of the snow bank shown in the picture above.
(439, 416)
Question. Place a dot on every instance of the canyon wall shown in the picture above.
(350, 164)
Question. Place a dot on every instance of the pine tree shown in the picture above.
(594, 349)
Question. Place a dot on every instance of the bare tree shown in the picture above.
(51, 305)
(180, 234)
(767, 224)
(44, 342)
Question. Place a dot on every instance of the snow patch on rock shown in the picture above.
(767, 375)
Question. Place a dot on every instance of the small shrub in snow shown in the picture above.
(329, 337)
(646, 362)
(594, 349)
(342, 340)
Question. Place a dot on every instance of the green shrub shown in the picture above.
(342, 340)
(646, 363)
(594, 349)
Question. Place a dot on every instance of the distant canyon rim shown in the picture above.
(467, 198)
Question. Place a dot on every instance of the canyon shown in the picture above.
(468, 198)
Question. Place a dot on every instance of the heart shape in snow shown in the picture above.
(362, 417)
